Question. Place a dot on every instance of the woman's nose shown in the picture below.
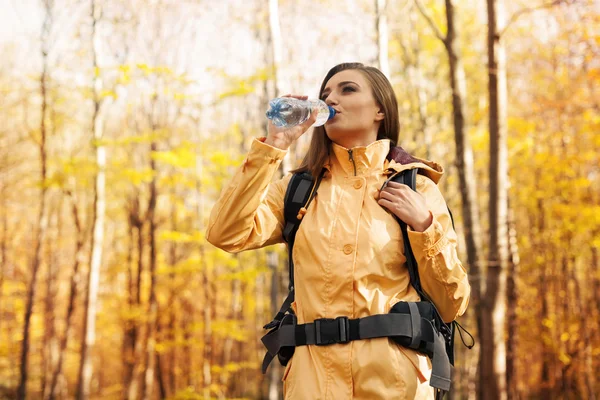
(331, 101)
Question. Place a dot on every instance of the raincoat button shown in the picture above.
(358, 184)
(348, 249)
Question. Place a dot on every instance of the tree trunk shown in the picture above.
(382, 37)
(97, 242)
(42, 219)
(50, 345)
(234, 315)
(544, 290)
(276, 47)
(171, 328)
(275, 384)
(512, 295)
(74, 281)
(3, 249)
(464, 159)
(207, 283)
(152, 302)
(186, 327)
(159, 373)
(493, 347)
(273, 53)
(137, 334)
(464, 152)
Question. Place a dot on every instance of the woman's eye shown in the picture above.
(348, 89)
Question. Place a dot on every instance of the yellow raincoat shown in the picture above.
(348, 261)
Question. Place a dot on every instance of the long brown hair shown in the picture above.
(384, 95)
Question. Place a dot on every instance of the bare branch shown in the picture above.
(432, 24)
(524, 11)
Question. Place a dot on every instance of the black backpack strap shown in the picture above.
(301, 190)
(409, 178)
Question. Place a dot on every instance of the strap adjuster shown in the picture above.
(332, 331)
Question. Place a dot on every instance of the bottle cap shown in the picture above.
(331, 112)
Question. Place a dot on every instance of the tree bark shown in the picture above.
(97, 242)
(493, 347)
(42, 218)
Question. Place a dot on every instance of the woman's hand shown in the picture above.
(284, 137)
(407, 205)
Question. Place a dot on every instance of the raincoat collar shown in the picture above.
(373, 157)
(362, 158)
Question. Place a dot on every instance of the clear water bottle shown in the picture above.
(288, 111)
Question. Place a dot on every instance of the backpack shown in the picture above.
(417, 325)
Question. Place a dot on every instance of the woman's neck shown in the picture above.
(356, 141)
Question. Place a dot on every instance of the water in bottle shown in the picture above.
(288, 111)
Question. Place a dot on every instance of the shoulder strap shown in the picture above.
(409, 178)
(300, 192)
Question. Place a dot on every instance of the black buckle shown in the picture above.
(332, 331)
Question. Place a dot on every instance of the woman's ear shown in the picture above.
(379, 116)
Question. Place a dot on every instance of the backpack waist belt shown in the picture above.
(408, 329)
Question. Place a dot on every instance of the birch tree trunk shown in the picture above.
(382, 36)
(97, 242)
(493, 348)
(276, 47)
(42, 218)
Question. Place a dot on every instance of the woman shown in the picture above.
(348, 252)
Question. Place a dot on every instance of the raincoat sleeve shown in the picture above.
(443, 277)
(249, 211)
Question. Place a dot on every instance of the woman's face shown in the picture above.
(358, 115)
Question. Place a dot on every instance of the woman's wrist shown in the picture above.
(422, 227)
(280, 144)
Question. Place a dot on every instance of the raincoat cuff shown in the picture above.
(260, 148)
(429, 242)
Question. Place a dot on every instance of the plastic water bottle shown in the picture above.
(288, 111)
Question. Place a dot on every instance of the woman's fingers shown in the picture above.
(385, 203)
(311, 120)
(394, 191)
(296, 96)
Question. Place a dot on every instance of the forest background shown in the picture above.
(122, 120)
